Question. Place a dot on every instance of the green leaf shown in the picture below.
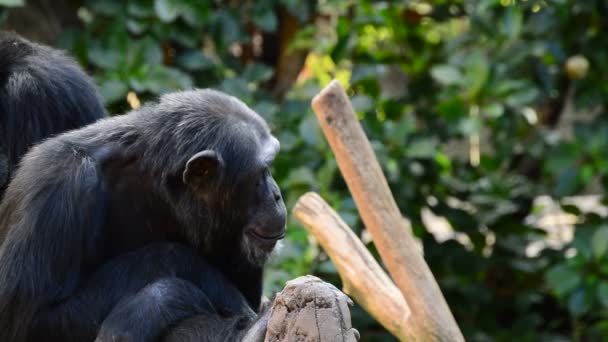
(310, 131)
(299, 9)
(599, 243)
(196, 13)
(166, 10)
(288, 141)
(229, 27)
(580, 302)
(363, 72)
(582, 243)
(396, 131)
(104, 58)
(304, 39)
(443, 161)
(140, 10)
(571, 209)
(602, 293)
(563, 279)
(567, 182)
(113, 90)
(512, 23)
(454, 108)
(522, 97)
(107, 7)
(508, 86)
(266, 109)
(469, 125)
(194, 60)
(422, 148)
(362, 103)
(137, 27)
(476, 72)
(257, 72)
(152, 52)
(300, 176)
(266, 20)
(493, 110)
(12, 3)
(446, 74)
(159, 79)
(237, 87)
(327, 266)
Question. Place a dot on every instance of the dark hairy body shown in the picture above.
(154, 225)
(43, 92)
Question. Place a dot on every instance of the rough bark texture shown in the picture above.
(430, 319)
(361, 275)
(310, 310)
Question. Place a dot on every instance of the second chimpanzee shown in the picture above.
(132, 225)
(43, 92)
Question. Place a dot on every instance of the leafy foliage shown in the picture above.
(474, 108)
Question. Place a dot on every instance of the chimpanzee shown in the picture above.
(43, 92)
(151, 225)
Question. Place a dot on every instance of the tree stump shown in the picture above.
(310, 310)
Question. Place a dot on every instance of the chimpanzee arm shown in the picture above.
(215, 328)
(49, 226)
(183, 312)
(143, 316)
(139, 294)
(167, 301)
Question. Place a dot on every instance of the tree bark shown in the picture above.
(362, 277)
(430, 319)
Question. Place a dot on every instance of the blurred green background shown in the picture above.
(487, 116)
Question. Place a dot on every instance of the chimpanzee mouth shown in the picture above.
(266, 238)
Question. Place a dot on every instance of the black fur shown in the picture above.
(43, 92)
(90, 215)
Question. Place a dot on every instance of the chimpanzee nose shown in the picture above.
(277, 196)
(271, 223)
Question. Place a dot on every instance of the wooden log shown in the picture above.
(362, 277)
(309, 309)
(431, 316)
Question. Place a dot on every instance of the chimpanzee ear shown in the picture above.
(203, 168)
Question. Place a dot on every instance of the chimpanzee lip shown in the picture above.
(267, 238)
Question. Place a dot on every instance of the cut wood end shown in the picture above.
(333, 90)
(312, 310)
(361, 275)
(307, 197)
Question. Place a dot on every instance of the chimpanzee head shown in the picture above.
(226, 185)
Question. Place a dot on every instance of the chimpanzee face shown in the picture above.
(255, 201)
(266, 217)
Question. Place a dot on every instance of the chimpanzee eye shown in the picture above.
(264, 172)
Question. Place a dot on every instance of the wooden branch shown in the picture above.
(309, 309)
(431, 317)
(362, 277)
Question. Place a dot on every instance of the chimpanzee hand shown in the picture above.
(145, 315)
